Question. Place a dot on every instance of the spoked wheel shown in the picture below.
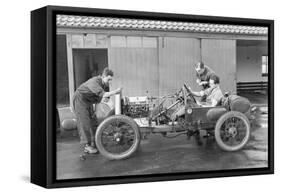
(117, 137)
(232, 131)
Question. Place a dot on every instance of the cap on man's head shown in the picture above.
(199, 65)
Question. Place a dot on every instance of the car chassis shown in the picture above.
(118, 136)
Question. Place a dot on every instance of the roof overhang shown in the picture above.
(86, 22)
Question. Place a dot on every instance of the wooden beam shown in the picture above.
(70, 68)
(162, 34)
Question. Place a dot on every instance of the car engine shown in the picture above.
(135, 107)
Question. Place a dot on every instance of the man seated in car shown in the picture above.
(213, 96)
(213, 93)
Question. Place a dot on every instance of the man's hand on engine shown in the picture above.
(118, 90)
(105, 100)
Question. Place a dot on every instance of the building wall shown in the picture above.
(164, 69)
(249, 63)
(159, 65)
(220, 56)
(135, 70)
(177, 57)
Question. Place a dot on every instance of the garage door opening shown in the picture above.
(88, 63)
(252, 65)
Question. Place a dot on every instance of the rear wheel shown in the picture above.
(232, 131)
(117, 137)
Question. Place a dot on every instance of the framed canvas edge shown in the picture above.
(51, 182)
(38, 156)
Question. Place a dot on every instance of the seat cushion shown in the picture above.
(240, 104)
(215, 113)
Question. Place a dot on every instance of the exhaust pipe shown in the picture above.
(118, 104)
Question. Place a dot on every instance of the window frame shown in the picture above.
(264, 74)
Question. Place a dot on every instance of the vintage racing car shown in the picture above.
(118, 135)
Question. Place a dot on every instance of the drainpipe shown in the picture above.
(118, 104)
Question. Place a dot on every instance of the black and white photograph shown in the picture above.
(140, 96)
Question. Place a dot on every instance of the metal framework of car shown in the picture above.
(118, 135)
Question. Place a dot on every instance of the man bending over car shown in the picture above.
(89, 93)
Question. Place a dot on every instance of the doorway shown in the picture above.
(88, 63)
(252, 69)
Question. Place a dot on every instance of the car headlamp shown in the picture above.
(189, 110)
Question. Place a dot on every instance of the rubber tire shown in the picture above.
(219, 123)
(103, 125)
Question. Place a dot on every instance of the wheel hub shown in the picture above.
(118, 137)
(232, 131)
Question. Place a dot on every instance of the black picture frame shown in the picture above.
(43, 111)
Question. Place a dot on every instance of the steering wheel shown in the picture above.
(188, 93)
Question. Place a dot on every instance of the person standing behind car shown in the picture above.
(203, 74)
(89, 93)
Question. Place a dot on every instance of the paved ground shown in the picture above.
(161, 155)
(256, 97)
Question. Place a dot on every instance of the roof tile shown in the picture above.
(122, 23)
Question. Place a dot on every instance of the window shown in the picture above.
(118, 41)
(77, 41)
(133, 42)
(89, 40)
(101, 40)
(149, 42)
(92, 41)
(264, 65)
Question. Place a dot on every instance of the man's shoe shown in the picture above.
(90, 149)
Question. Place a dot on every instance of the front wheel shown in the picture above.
(117, 137)
(232, 131)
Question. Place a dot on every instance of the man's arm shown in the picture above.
(201, 93)
(96, 88)
(214, 102)
(200, 83)
(203, 83)
(198, 94)
(111, 93)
